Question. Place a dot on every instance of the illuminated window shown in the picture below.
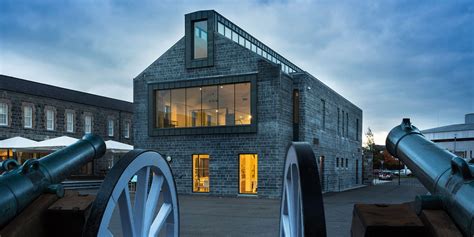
(226, 105)
(28, 116)
(201, 173)
(200, 39)
(49, 120)
(193, 107)
(87, 124)
(69, 122)
(242, 104)
(207, 106)
(248, 174)
(3, 114)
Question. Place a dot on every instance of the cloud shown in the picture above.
(393, 59)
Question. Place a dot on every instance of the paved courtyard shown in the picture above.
(214, 216)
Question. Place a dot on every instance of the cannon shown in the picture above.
(33, 201)
(449, 178)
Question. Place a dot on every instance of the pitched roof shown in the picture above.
(451, 128)
(43, 90)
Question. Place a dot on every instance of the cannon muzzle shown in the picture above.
(21, 185)
(449, 178)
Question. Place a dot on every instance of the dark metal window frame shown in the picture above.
(189, 37)
(208, 81)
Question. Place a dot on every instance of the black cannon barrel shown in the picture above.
(19, 187)
(448, 177)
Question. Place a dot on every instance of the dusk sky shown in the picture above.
(393, 59)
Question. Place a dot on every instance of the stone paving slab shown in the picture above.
(216, 216)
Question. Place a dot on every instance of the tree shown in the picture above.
(370, 143)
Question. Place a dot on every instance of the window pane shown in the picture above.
(3, 114)
(193, 107)
(163, 108)
(235, 37)
(242, 104)
(28, 114)
(69, 122)
(201, 173)
(259, 51)
(49, 120)
(226, 105)
(248, 175)
(241, 41)
(209, 105)
(178, 108)
(264, 54)
(228, 32)
(87, 124)
(127, 130)
(110, 128)
(220, 28)
(200, 39)
(247, 44)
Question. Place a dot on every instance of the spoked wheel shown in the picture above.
(137, 198)
(302, 210)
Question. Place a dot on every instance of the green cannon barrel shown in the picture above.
(449, 178)
(22, 185)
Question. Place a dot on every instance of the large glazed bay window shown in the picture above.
(201, 173)
(204, 106)
(248, 173)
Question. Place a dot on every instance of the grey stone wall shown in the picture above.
(327, 139)
(38, 132)
(274, 122)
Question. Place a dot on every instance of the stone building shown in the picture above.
(225, 107)
(38, 111)
(457, 138)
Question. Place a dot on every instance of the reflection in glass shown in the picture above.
(209, 106)
(226, 104)
(200, 39)
(193, 106)
(163, 108)
(178, 108)
(242, 104)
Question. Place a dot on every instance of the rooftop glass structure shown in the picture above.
(238, 35)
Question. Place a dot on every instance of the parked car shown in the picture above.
(385, 175)
(403, 172)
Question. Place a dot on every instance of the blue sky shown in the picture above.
(393, 59)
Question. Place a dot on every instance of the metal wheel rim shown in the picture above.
(144, 217)
(302, 209)
(291, 209)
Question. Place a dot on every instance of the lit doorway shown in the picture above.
(201, 173)
(248, 173)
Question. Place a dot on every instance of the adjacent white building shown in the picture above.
(457, 138)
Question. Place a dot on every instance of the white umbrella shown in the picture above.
(17, 142)
(115, 146)
(57, 142)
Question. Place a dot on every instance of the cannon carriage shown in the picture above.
(33, 202)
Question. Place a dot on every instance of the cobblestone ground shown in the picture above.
(216, 216)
